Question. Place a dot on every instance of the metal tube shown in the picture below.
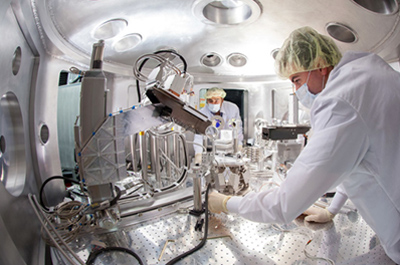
(273, 92)
(177, 148)
(151, 151)
(235, 140)
(96, 61)
(293, 109)
(155, 158)
(197, 187)
(169, 150)
(143, 155)
(132, 146)
(36, 208)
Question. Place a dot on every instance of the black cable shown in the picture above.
(144, 61)
(177, 54)
(119, 193)
(47, 181)
(95, 254)
(203, 241)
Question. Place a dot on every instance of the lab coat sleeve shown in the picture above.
(337, 147)
(338, 201)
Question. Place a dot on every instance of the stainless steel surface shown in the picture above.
(93, 108)
(381, 7)
(102, 157)
(233, 240)
(269, 23)
(223, 47)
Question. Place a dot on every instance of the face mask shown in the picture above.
(214, 108)
(305, 96)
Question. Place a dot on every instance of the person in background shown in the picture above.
(228, 111)
(355, 106)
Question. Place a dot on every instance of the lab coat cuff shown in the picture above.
(233, 204)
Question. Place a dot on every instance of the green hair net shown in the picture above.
(306, 50)
(215, 92)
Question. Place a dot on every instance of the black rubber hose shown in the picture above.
(95, 254)
(144, 61)
(203, 241)
(47, 181)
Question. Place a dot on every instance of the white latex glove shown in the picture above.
(318, 215)
(198, 158)
(217, 202)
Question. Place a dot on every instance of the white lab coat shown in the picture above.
(228, 112)
(356, 143)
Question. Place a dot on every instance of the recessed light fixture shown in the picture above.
(127, 42)
(110, 29)
(237, 59)
(341, 32)
(227, 12)
(211, 59)
(386, 7)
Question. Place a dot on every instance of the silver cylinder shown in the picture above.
(197, 188)
(96, 61)
(143, 154)
(293, 116)
(132, 147)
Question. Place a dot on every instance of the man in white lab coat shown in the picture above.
(355, 116)
(227, 111)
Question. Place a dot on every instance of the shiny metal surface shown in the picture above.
(43, 38)
(380, 7)
(233, 240)
(205, 26)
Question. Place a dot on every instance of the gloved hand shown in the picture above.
(198, 158)
(217, 202)
(318, 215)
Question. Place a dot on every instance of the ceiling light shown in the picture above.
(237, 59)
(211, 59)
(341, 32)
(227, 12)
(379, 6)
(127, 42)
(110, 29)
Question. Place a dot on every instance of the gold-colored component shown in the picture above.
(217, 237)
(165, 246)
